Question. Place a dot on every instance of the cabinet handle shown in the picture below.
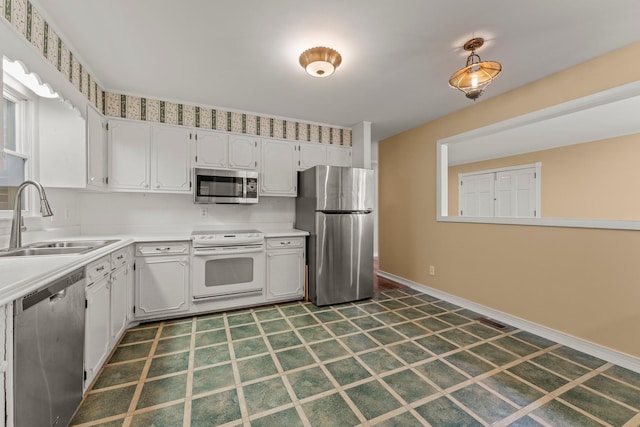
(92, 179)
(162, 249)
(285, 243)
(100, 268)
(120, 257)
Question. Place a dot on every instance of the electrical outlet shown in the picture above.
(204, 212)
(432, 270)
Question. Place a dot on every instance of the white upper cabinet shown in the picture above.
(212, 149)
(146, 157)
(278, 167)
(170, 159)
(311, 154)
(243, 152)
(96, 150)
(129, 155)
(338, 155)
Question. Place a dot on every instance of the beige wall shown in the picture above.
(583, 282)
(596, 180)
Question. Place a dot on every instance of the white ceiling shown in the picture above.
(397, 55)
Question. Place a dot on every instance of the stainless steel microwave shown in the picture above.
(225, 186)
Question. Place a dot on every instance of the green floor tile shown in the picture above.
(347, 371)
(459, 337)
(169, 345)
(409, 386)
(403, 420)
(525, 422)
(165, 417)
(119, 374)
(560, 366)
(441, 374)
(302, 321)
(168, 364)
(277, 325)
(130, 352)
(601, 407)
(358, 342)
(328, 350)
(139, 335)
(211, 337)
(240, 319)
(624, 375)
(328, 316)
(442, 412)
(483, 403)
(481, 331)
(409, 352)
(211, 355)
(283, 340)
(436, 344)
(256, 367)
(515, 346)
(493, 354)
(560, 415)
(330, 411)
(351, 312)
(411, 330)
(294, 358)
(469, 363)
(207, 323)
(534, 339)
(430, 309)
(177, 329)
(513, 389)
(309, 382)
(412, 301)
(104, 404)
(163, 390)
(389, 318)
(293, 309)
(314, 333)
(380, 361)
(579, 357)
(249, 347)
(271, 313)
(210, 379)
(447, 305)
(385, 335)
(342, 328)
(265, 395)
(411, 313)
(432, 324)
(288, 417)
(372, 399)
(453, 319)
(244, 331)
(373, 308)
(216, 409)
(538, 376)
(365, 323)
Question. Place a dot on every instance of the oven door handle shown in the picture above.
(227, 250)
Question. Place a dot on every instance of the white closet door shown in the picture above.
(515, 193)
(477, 195)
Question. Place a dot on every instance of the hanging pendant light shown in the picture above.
(477, 74)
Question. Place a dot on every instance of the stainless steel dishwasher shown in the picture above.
(48, 352)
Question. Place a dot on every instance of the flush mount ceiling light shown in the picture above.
(320, 61)
(477, 74)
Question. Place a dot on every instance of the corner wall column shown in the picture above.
(361, 145)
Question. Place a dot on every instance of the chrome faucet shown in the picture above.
(17, 224)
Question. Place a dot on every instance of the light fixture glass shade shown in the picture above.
(320, 61)
(477, 74)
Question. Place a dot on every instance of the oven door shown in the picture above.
(224, 272)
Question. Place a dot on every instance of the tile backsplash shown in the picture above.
(30, 24)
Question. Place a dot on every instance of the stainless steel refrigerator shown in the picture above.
(335, 205)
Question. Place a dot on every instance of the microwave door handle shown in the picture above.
(244, 188)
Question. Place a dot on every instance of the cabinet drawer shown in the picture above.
(285, 242)
(162, 248)
(120, 257)
(98, 269)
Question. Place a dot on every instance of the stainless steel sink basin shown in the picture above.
(62, 247)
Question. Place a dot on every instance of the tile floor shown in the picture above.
(401, 359)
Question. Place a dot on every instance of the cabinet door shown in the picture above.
(311, 154)
(119, 302)
(97, 333)
(338, 156)
(212, 149)
(279, 165)
(161, 285)
(129, 149)
(285, 274)
(96, 150)
(243, 152)
(170, 159)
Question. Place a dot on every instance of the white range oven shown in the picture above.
(226, 264)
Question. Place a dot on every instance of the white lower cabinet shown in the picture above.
(161, 279)
(97, 341)
(285, 268)
(119, 297)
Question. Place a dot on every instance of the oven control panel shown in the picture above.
(226, 238)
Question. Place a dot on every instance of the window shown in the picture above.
(506, 192)
(17, 146)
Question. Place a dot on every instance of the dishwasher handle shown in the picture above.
(54, 291)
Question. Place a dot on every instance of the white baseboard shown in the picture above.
(604, 353)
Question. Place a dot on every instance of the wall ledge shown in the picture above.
(604, 353)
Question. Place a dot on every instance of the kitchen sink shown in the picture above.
(63, 247)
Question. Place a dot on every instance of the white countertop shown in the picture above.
(21, 275)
